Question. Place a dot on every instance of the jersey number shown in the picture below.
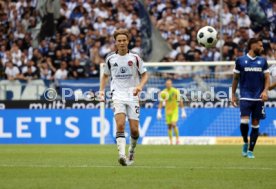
(137, 109)
(263, 110)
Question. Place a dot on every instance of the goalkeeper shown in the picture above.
(170, 97)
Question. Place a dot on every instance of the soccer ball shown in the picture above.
(207, 36)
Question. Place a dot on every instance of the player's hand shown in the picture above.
(159, 114)
(101, 96)
(234, 101)
(137, 90)
(264, 96)
(183, 113)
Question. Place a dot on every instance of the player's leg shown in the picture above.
(133, 112)
(169, 123)
(253, 137)
(176, 132)
(174, 126)
(120, 137)
(120, 117)
(257, 114)
(134, 136)
(244, 124)
(244, 128)
(170, 133)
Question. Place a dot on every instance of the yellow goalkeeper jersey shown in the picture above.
(171, 98)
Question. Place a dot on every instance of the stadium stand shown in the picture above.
(83, 29)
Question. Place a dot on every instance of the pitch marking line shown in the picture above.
(135, 166)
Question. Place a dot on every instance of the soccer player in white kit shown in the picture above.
(272, 70)
(128, 76)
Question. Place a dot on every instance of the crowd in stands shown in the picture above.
(84, 34)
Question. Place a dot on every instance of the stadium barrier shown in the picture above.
(219, 126)
(206, 118)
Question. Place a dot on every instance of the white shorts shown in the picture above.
(130, 109)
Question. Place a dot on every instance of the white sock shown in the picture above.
(132, 144)
(121, 144)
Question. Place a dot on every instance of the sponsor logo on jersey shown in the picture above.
(123, 69)
(252, 69)
(115, 65)
(130, 63)
(125, 76)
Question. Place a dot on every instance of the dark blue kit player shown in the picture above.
(252, 74)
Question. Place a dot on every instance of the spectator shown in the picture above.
(43, 48)
(30, 74)
(58, 59)
(64, 11)
(11, 72)
(94, 71)
(271, 17)
(207, 56)
(226, 56)
(226, 15)
(23, 59)
(30, 65)
(16, 55)
(99, 24)
(84, 30)
(6, 57)
(137, 48)
(190, 55)
(52, 51)
(61, 73)
(45, 72)
(84, 59)
(182, 71)
(183, 47)
(266, 39)
(243, 20)
(37, 57)
(95, 54)
(2, 70)
(232, 47)
(77, 71)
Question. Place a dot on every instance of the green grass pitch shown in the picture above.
(172, 167)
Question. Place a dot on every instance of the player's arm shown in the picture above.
(144, 79)
(264, 94)
(160, 106)
(272, 71)
(103, 82)
(144, 76)
(181, 105)
(267, 81)
(272, 86)
(104, 77)
(159, 111)
(235, 82)
(236, 77)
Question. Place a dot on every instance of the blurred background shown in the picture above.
(61, 44)
(77, 34)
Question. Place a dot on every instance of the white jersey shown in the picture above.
(272, 71)
(125, 74)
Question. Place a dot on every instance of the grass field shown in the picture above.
(173, 167)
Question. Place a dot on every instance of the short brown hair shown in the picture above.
(252, 41)
(121, 31)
